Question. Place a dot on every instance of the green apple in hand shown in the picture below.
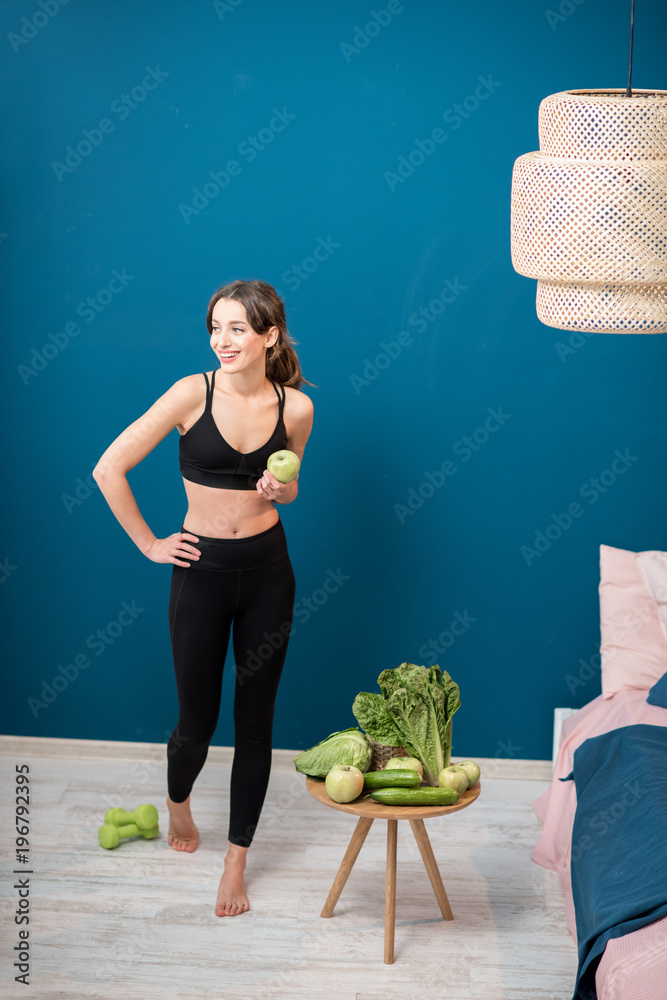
(284, 465)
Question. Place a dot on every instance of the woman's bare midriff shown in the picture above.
(227, 513)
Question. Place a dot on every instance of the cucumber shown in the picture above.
(397, 777)
(428, 796)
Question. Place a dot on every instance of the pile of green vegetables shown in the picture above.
(414, 710)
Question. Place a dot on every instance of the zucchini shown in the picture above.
(429, 796)
(397, 777)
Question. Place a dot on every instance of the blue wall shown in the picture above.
(332, 123)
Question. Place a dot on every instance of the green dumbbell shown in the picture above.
(144, 816)
(110, 836)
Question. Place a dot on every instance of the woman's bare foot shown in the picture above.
(232, 900)
(183, 834)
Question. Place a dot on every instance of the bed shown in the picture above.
(631, 964)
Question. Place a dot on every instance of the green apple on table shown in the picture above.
(399, 762)
(284, 465)
(344, 782)
(453, 777)
(471, 769)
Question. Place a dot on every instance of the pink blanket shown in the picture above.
(633, 967)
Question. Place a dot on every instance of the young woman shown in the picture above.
(231, 569)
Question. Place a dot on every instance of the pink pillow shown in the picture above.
(633, 646)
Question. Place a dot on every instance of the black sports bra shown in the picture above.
(206, 458)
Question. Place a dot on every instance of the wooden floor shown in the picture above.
(138, 921)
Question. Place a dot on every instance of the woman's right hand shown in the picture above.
(167, 550)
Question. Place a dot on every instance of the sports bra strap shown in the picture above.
(281, 398)
(209, 391)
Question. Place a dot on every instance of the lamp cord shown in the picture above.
(628, 92)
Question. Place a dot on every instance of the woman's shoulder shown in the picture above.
(187, 382)
(299, 404)
(189, 389)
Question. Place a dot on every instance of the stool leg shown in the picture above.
(358, 837)
(426, 851)
(390, 893)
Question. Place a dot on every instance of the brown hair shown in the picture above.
(264, 309)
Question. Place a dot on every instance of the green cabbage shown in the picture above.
(414, 711)
(349, 746)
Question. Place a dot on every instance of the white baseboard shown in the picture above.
(560, 715)
(42, 746)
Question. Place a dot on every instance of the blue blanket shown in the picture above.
(619, 840)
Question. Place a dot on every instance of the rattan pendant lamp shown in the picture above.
(589, 210)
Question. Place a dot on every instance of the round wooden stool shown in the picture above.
(367, 810)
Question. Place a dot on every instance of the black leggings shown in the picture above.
(247, 582)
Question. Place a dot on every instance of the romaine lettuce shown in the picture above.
(370, 711)
(414, 711)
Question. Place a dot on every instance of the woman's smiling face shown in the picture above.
(235, 343)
